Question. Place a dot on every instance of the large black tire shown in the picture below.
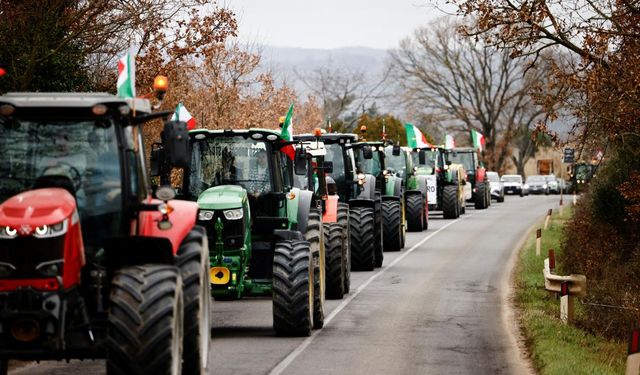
(145, 325)
(378, 255)
(193, 263)
(292, 288)
(334, 246)
(415, 213)
(392, 226)
(316, 244)
(343, 220)
(425, 215)
(480, 199)
(362, 227)
(450, 202)
(4, 366)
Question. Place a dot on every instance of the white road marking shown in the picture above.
(286, 361)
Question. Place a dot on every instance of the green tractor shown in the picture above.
(266, 234)
(447, 188)
(400, 163)
(388, 189)
(335, 215)
(476, 174)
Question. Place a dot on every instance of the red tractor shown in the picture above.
(91, 266)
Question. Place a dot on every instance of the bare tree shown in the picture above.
(465, 84)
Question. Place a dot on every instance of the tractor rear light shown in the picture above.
(48, 231)
(7, 109)
(25, 330)
(8, 233)
(205, 215)
(99, 109)
(234, 214)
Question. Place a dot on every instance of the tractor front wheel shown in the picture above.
(391, 217)
(343, 220)
(335, 262)
(362, 227)
(193, 262)
(292, 288)
(145, 325)
(316, 244)
(480, 201)
(415, 213)
(450, 209)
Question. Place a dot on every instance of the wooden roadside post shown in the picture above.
(633, 356)
(538, 241)
(546, 220)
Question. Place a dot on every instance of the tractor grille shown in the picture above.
(232, 232)
(26, 253)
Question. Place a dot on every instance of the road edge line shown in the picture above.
(286, 361)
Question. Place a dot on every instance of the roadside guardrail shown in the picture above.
(567, 286)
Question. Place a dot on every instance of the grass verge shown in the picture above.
(555, 348)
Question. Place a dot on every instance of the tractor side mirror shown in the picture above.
(448, 162)
(300, 162)
(156, 158)
(422, 157)
(396, 150)
(367, 153)
(175, 139)
(327, 167)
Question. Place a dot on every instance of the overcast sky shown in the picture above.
(330, 23)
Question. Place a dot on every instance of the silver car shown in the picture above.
(512, 184)
(497, 187)
(537, 184)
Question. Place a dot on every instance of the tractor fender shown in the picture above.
(331, 209)
(367, 203)
(481, 175)
(394, 186)
(421, 181)
(305, 201)
(183, 217)
(368, 189)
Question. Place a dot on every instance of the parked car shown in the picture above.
(512, 184)
(553, 184)
(538, 184)
(497, 187)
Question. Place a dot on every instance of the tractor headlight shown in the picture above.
(234, 214)
(8, 233)
(204, 215)
(47, 231)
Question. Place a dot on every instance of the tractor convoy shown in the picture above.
(98, 262)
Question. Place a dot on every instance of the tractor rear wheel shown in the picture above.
(334, 246)
(343, 220)
(415, 213)
(193, 262)
(292, 288)
(425, 214)
(392, 226)
(145, 326)
(450, 202)
(316, 244)
(378, 243)
(362, 227)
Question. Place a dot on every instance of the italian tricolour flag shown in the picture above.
(478, 139)
(415, 138)
(449, 142)
(127, 76)
(181, 114)
(287, 133)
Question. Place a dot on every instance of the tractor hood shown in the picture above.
(222, 197)
(35, 208)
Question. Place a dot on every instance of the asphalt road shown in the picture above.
(436, 307)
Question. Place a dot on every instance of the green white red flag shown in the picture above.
(287, 133)
(449, 142)
(478, 139)
(415, 138)
(127, 76)
(181, 114)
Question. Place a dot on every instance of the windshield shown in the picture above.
(81, 155)
(464, 158)
(430, 161)
(397, 163)
(493, 177)
(334, 155)
(511, 179)
(536, 178)
(368, 166)
(229, 161)
(583, 171)
(550, 178)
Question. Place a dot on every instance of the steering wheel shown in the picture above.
(75, 176)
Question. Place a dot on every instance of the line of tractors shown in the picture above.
(95, 262)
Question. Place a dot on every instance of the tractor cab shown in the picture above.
(476, 174)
